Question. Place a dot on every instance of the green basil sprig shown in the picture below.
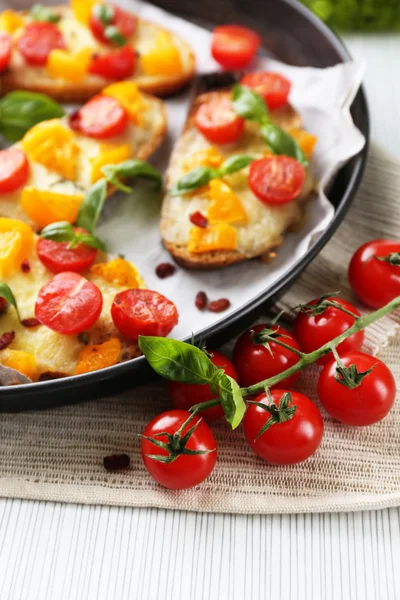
(42, 13)
(251, 106)
(186, 363)
(202, 175)
(104, 13)
(113, 34)
(64, 232)
(91, 206)
(6, 293)
(21, 110)
(128, 170)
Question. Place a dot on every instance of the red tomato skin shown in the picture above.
(234, 46)
(276, 179)
(185, 395)
(117, 64)
(312, 332)
(375, 282)
(5, 50)
(218, 122)
(68, 303)
(185, 471)
(285, 443)
(57, 257)
(100, 118)
(364, 405)
(14, 170)
(38, 40)
(123, 21)
(143, 312)
(254, 362)
(273, 87)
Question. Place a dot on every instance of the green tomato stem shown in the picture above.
(204, 405)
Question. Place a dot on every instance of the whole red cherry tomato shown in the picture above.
(103, 16)
(14, 170)
(234, 46)
(218, 122)
(287, 442)
(365, 404)
(276, 179)
(187, 470)
(117, 64)
(59, 257)
(5, 50)
(186, 395)
(255, 362)
(314, 330)
(273, 87)
(101, 117)
(374, 272)
(38, 40)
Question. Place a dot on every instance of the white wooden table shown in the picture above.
(53, 552)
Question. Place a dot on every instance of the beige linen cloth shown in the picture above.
(58, 454)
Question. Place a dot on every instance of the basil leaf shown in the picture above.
(104, 13)
(59, 232)
(91, 206)
(6, 293)
(113, 34)
(129, 169)
(91, 240)
(248, 104)
(234, 163)
(42, 13)
(178, 361)
(21, 110)
(281, 142)
(232, 400)
(196, 178)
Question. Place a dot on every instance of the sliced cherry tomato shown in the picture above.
(143, 312)
(234, 46)
(3, 305)
(101, 117)
(187, 470)
(124, 22)
(255, 362)
(288, 442)
(365, 404)
(5, 50)
(218, 122)
(117, 64)
(276, 179)
(59, 257)
(273, 87)
(68, 303)
(14, 170)
(186, 395)
(375, 281)
(314, 330)
(38, 40)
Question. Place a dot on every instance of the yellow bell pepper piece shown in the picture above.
(23, 362)
(118, 271)
(10, 21)
(109, 155)
(45, 207)
(82, 9)
(214, 237)
(164, 58)
(225, 206)
(127, 93)
(71, 67)
(306, 140)
(99, 356)
(53, 145)
(16, 242)
(210, 157)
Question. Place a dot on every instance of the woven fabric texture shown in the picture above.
(58, 455)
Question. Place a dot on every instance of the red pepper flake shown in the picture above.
(115, 462)
(32, 322)
(6, 339)
(25, 266)
(198, 219)
(165, 270)
(201, 300)
(219, 305)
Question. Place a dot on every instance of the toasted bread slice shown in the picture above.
(21, 75)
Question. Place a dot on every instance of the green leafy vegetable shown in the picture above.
(42, 13)
(281, 142)
(113, 34)
(104, 13)
(6, 293)
(248, 104)
(64, 232)
(91, 206)
(234, 163)
(231, 400)
(131, 169)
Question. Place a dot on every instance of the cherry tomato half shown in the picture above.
(376, 282)
(38, 40)
(117, 64)
(5, 50)
(101, 117)
(185, 471)
(313, 331)
(288, 442)
(143, 312)
(234, 46)
(273, 87)
(186, 395)
(59, 257)
(365, 404)
(123, 21)
(14, 170)
(68, 303)
(218, 122)
(254, 362)
(276, 179)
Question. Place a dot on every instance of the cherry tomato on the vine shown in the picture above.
(234, 46)
(187, 470)
(59, 257)
(218, 122)
(289, 441)
(365, 404)
(273, 87)
(276, 179)
(374, 272)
